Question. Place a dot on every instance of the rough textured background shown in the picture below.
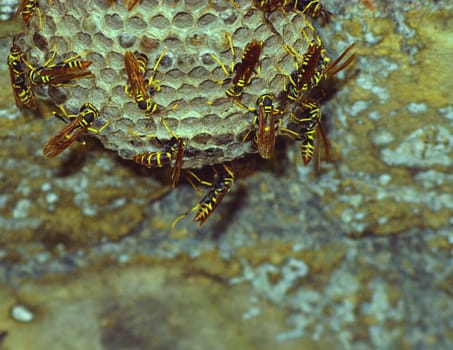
(356, 256)
(7, 9)
(401, 111)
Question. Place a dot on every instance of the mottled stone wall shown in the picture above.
(391, 125)
(354, 256)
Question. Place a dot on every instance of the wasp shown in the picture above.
(311, 68)
(77, 124)
(60, 73)
(312, 8)
(307, 116)
(269, 5)
(307, 74)
(137, 86)
(18, 68)
(264, 126)
(241, 71)
(267, 126)
(308, 67)
(23, 94)
(244, 69)
(16, 59)
(27, 9)
(213, 198)
(173, 150)
(331, 69)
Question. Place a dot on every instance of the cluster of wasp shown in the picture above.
(294, 99)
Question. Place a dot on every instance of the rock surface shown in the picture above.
(354, 256)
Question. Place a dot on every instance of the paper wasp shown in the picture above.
(241, 71)
(312, 8)
(213, 198)
(77, 124)
(137, 87)
(334, 67)
(23, 95)
(307, 117)
(311, 68)
(18, 68)
(267, 126)
(16, 59)
(60, 73)
(173, 150)
(264, 126)
(27, 9)
(306, 75)
(269, 5)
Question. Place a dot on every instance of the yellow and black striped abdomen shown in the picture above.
(153, 159)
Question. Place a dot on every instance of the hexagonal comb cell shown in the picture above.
(189, 51)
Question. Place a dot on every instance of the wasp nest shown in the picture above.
(188, 36)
